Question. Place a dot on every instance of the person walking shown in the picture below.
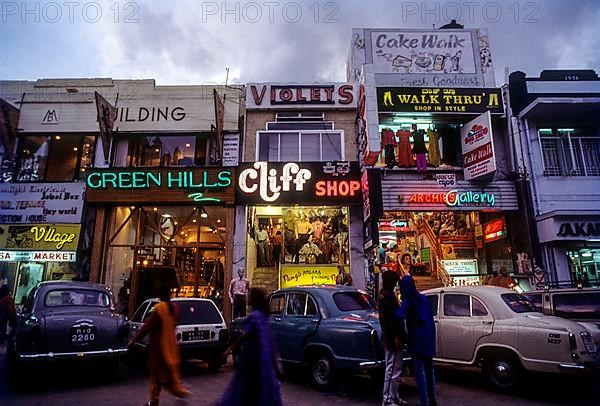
(255, 382)
(238, 290)
(390, 337)
(163, 352)
(415, 313)
(8, 313)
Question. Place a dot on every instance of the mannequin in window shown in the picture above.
(419, 148)
(303, 230)
(342, 242)
(434, 147)
(389, 143)
(289, 236)
(405, 156)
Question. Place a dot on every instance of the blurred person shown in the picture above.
(404, 264)
(391, 339)
(262, 241)
(277, 241)
(343, 278)
(415, 314)
(163, 352)
(255, 382)
(238, 290)
(8, 313)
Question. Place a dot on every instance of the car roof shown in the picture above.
(72, 284)
(320, 288)
(182, 299)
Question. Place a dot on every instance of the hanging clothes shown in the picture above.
(405, 156)
(389, 141)
(420, 150)
(434, 148)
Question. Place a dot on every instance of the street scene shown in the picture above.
(295, 203)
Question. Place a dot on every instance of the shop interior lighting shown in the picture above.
(74, 148)
(218, 220)
(187, 145)
(132, 207)
(204, 215)
(194, 220)
(586, 254)
(155, 209)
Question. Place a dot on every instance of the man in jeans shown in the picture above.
(390, 337)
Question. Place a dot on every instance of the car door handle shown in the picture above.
(487, 322)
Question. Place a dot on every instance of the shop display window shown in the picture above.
(420, 145)
(294, 146)
(584, 265)
(570, 151)
(167, 150)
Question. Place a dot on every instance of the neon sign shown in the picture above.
(340, 188)
(454, 198)
(268, 181)
(494, 230)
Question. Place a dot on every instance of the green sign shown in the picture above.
(426, 254)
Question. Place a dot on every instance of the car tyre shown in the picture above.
(322, 371)
(502, 371)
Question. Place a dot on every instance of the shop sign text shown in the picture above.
(285, 95)
(454, 198)
(579, 230)
(38, 256)
(494, 230)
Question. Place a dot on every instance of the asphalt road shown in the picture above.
(88, 384)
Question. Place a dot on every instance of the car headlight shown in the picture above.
(589, 343)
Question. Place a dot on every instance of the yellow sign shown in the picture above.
(297, 275)
(39, 237)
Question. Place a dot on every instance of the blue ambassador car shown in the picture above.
(326, 328)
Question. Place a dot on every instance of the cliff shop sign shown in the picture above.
(439, 100)
(334, 182)
(328, 95)
(579, 230)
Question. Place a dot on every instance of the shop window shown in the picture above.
(167, 150)
(478, 309)
(33, 155)
(457, 305)
(570, 152)
(296, 304)
(305, 146)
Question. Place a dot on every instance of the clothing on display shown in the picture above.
(405, 156)
(389, 142)
(419, 149)
(434, 148)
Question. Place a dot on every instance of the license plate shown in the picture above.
(196, 335)
(83, 334)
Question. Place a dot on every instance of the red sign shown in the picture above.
(494, 230)
(334, 188)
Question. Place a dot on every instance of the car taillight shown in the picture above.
(589, 343)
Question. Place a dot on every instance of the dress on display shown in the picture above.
(405, 156)
(420, 150)
(434, 148)
(389, 142)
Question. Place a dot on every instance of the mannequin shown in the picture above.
(389, 142)
(289, 235)
(405, 156)
(434, 148)
(303, 231)
(419, 148)
(238, 290)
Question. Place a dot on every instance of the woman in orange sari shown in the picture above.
(163, 353)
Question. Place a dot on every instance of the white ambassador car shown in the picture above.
(501, 331)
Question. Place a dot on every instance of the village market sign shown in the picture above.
(195, 183)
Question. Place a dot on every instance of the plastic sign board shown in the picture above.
(478, 147)
(460, 266)
(298, 275)
(494, 230)
(39, 237)
(38, 256)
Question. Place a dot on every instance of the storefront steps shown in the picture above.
(427, 282)
(266, 278)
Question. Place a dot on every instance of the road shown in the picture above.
(86, 384)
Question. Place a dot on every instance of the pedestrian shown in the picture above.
(8, 313)
(404, 265)
(415, 313)
(238, 290)
(391, 339)
(255, 382)
(163, 352)
(276, 241)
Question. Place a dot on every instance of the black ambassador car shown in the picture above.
(68, 320)
(329, 328)
(201, 331)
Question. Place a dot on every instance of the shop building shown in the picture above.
(431, 122)
(298, 192)
(556, 124)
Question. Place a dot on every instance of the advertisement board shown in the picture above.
(39, 237)
(298, 275)
(460, 266)
(478, 147)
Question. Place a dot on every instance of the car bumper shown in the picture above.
(371, 364)
(74, 355)
(201, 350)
(579, 368)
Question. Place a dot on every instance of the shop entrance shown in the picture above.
(584, 264)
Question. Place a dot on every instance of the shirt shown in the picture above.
(262, 235)
(239, 286)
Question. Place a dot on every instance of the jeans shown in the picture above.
(393, 370)
(423, 370)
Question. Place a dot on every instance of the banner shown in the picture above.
(298, 275)
(39, 237)
(107, 115)
(478, 147)
(25, 203)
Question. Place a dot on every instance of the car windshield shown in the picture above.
(518, 303)
(352, 301)
(577, 306)
(77, 297)
(198, 312)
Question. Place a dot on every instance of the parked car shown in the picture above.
(201, 331)
(327, 328)
(502, 332)
(68, 320)
(580, 305)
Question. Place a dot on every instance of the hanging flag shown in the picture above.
(219, 121)
(107, 113)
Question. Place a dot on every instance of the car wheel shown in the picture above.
(502, 372)
(322, 371)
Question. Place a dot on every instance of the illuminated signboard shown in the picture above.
(439, 100)
(38, 256)
(299, 183)
(39, 237)
(494, 230)
(460, 266)
(454, 198)
(394, 225)
(207, 186)
(298, 275)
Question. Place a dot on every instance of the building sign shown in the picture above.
(478, 147)
(579, 230)
(231, 149)
(38, 256)
(394, 225)
(446, 179)
(494, 230)
(453, 198)
(439, 100)
(186, 185)
(326, 95)
(24, 203)
(298, 275)
(299, 183)
(460, 266)
(39, 237)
